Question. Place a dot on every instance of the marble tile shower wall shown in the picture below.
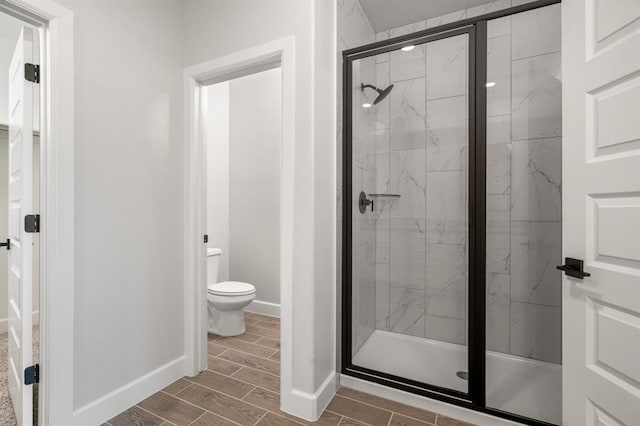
(355, 30)
(421, 153)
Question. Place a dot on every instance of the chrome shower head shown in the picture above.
(382, 93)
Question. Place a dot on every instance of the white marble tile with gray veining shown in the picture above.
(536, 174)
(447, 134)
(499, 76)
(382, 297)
(407, 253)
(498, 237)
(382, 109)
(407, 114)
(498, 169)
(498, 312)
(536, 98)
(447, 280)
(536, 332)
(407, 311)
(456, 16)
(499, 129)
(450, 330)
(536, 32)
(382, 57)
(446, 212)
(535, 252)
(407, 180)
(447, 67)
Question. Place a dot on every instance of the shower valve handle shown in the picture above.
(363, 202)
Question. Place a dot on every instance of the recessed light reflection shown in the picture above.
(490, 84)
(366, 105)
(408, 48)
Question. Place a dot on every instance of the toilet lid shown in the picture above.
(231, 288)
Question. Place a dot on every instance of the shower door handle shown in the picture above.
(573, 268)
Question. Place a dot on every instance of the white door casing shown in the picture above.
(601, 211)
(20, 269)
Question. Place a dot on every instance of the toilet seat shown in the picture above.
(231, 288)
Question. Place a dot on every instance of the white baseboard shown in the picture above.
(449, 410)
(112, 404)
(265, 308)
(4, 322)
(310, 406)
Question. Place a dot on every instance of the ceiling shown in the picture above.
(9, 26)
(385, 14)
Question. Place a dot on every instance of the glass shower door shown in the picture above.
(408, 166)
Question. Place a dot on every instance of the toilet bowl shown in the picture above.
(225, 300)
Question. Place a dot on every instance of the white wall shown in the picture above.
(254, 196)
(128, 294)
(218, 173)
(220, 27)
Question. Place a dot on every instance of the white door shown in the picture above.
(601, 211)
(20, 204)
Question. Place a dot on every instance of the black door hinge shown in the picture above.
(32, 223)
(7, 244)
(32, 73)
(32, 375)
(206, 238)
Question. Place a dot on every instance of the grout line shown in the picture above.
(249, 353)
(199, 417)
(391, 411)
(263, 416)
(154, 414)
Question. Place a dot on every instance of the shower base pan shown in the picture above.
(518, 385)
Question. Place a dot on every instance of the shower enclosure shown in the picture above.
(451, 212)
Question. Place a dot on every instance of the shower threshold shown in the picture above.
(513, 383)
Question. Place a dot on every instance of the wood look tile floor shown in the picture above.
(242, 387)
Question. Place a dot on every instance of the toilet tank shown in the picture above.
(213, 264)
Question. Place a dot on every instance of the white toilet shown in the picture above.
(225, 300)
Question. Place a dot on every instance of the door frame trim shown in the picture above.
(277, 53)
(56, 204)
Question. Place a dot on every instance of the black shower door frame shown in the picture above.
(476, 29)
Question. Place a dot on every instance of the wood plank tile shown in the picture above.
(135, 416)
(252, 361)
(215, 350)
(346, 421)
(247, 337)
(400, 420)
(448, 421)
(260, 331)
(222, 405)
(243, 346)
(210, 419)
(176, 386)
(222, 366)
(359, 411)
(407, 410)
(269, 343)
(171, 408)
(258, 378)
(275, 357)
(274, 420)
(228, 385)
(269, 325)
(271, 401)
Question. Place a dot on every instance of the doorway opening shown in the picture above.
(251, 175)
(452, 228)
